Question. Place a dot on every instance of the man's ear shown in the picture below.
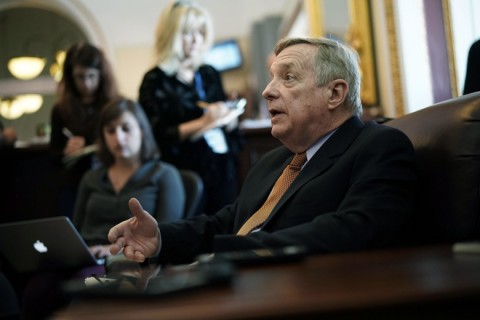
(337, 90)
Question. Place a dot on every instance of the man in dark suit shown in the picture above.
(355, 191)
(472, 77)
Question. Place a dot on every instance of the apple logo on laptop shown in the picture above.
(40, 246)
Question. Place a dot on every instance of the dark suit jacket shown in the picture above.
(356, 193)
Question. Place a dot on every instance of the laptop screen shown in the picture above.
(44, 244)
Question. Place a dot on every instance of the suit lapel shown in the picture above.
(325, 157)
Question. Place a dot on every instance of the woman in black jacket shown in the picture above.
(182, 96)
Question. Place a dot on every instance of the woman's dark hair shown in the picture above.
(112, 111)
(87, 56)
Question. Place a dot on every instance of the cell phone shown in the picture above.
(170, 281)
(258, 256)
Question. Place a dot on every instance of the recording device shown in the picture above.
(257, 256)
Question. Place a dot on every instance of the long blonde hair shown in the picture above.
(179, 17)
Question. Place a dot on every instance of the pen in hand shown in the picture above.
(202, 104)
(74, 143)
(67, 132)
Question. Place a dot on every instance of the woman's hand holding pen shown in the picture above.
(214, 111)
(74, 143)
(220, 110)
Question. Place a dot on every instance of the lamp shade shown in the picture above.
(9, 110)
(14, 107)
(29, 103)
(26, 68)
(56, 69)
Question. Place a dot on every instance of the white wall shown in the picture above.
(413, 53)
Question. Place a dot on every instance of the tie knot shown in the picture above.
(298, 160)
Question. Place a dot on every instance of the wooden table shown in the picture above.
(420, 283)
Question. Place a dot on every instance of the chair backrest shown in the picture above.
(9, 307)
(193, 185)
(446, 138)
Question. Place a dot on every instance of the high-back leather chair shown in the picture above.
(9, 306)
(193, 185)
(446, 138)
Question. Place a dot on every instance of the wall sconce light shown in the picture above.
(9, 110)
(26, 68)
(56, 69)
(29, 103)
(12, 108)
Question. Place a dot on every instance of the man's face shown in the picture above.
(298, 107)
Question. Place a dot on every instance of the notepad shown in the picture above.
(71, 159)
(236, 109)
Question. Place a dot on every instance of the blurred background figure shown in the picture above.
(86, 86)
(8, 136)
(472, 77)
(182, 96)
(42, 134)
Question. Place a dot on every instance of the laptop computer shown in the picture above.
(44, 244)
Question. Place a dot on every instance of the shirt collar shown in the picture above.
(317, 145)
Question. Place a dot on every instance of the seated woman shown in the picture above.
(130, 168)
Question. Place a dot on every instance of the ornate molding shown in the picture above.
(360, 37)
(316, 24)
(394, 59)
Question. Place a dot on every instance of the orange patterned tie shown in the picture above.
(283, 182)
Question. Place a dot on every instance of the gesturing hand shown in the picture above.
(138, 237)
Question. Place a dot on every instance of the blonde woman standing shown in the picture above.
(181, 96)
